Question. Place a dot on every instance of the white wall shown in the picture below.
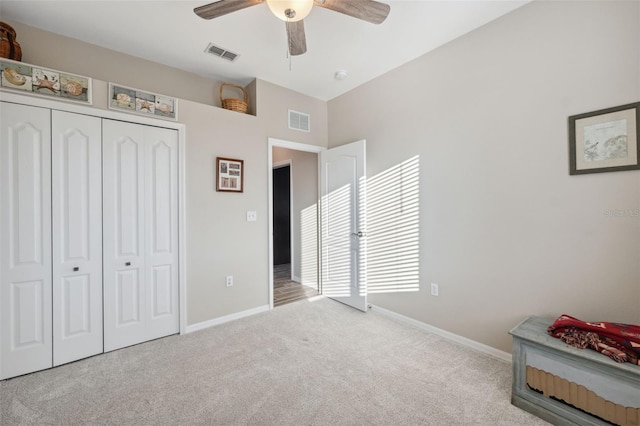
(219, 240)
(504, 230)
(304, 189)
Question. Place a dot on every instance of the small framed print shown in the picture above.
(140, 102)
(229, 175)
(39, 81)
(605, 141)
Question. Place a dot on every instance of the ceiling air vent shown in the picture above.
(299, 121)
(220, 52)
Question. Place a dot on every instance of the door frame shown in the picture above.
(116, 115)
(297, 146)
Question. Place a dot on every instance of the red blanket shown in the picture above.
(620, 342)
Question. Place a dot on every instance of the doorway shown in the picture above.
(339, 254)
(293, 209)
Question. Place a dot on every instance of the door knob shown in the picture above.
(76, 269)
(127, 264)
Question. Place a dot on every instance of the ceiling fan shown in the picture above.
(294, 11)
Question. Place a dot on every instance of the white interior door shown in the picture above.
(77, 236)
(161, 236)
(141, 233)
(343, 213)
(25, 239)
(123, 224)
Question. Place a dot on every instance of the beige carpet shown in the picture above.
(306, 363)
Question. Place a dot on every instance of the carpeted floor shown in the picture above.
(306, 363)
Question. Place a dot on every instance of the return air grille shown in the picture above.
(299, 121)
(220, 52)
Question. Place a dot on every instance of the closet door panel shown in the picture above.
(77, 236)
(25, 239)
(124, 275)
(161, 206)
(128, 306)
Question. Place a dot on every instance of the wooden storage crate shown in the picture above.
(570, 386)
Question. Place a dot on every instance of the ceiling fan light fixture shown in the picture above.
(290, 10)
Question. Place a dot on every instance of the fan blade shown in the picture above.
(296, 38)
(222, 7)
(367, 10)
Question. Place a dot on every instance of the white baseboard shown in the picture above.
(296, 279)
(227, 318)
(480, 347)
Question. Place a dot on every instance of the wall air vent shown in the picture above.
(220, 52)
(299, 121)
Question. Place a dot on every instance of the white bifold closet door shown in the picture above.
(25, 239)
(140, 197)
(77, 236)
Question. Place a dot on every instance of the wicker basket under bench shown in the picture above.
(566, 385)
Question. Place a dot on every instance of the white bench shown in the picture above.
(566, 385)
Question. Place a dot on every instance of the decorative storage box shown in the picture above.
(565, 385)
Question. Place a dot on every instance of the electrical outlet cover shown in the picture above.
(434, 289)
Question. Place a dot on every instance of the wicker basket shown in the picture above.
(235, 104)
(9, 47)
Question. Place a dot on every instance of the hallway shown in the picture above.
(287, 291)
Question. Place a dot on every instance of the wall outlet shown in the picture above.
(229, 280)
(252, 216)
(434, 289)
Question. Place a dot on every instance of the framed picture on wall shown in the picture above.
(229, 175)
(44, 82)
(605, 141)
(137, 101)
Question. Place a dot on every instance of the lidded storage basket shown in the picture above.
(235, 104)
(9, 47)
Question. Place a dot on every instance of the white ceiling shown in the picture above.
(169, 32)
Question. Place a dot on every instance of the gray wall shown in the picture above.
(304, 188)
(504, 230)
(219, 239)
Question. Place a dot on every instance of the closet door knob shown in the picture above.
(76, 269)
(127, 264)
